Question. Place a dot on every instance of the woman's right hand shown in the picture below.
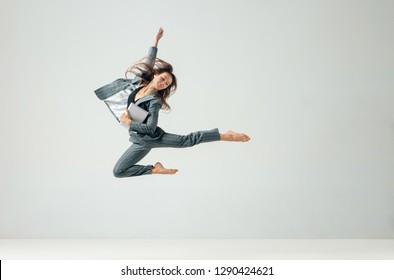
(159, 35)
(125, 117)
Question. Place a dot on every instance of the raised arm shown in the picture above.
(153, 50)
(159, 35)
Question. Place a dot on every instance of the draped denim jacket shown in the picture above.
(151, 103)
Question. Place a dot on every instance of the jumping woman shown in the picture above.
(152, 85)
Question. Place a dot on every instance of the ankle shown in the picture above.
(226, 137)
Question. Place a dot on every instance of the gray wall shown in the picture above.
(313, 80)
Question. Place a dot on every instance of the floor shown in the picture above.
(201, 249)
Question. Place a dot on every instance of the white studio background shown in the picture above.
(311, 82)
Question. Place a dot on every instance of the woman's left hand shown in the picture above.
(125, 117)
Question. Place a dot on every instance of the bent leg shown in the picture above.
(126, 165)
(169, 140)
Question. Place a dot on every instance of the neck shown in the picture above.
(149, 89)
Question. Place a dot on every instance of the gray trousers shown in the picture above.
(127, 167)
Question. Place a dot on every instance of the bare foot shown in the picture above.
(234, 137)
(160, 169)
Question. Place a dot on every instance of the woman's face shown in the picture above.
(162, 81)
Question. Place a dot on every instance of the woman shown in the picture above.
(153, 84)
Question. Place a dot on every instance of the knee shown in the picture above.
(118, 172)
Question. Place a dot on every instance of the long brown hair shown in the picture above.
(146, 72)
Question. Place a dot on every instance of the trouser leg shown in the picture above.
(126, 165)
(169, 140)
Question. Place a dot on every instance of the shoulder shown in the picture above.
(155, 102)
(150, 101)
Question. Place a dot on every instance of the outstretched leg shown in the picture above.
(169, 140)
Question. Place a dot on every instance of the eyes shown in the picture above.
(166, 82)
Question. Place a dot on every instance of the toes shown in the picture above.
(172, 171)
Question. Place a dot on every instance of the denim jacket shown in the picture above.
(114, 96)
(114, 88)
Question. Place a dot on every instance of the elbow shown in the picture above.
(150, 128)
(151, 131)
